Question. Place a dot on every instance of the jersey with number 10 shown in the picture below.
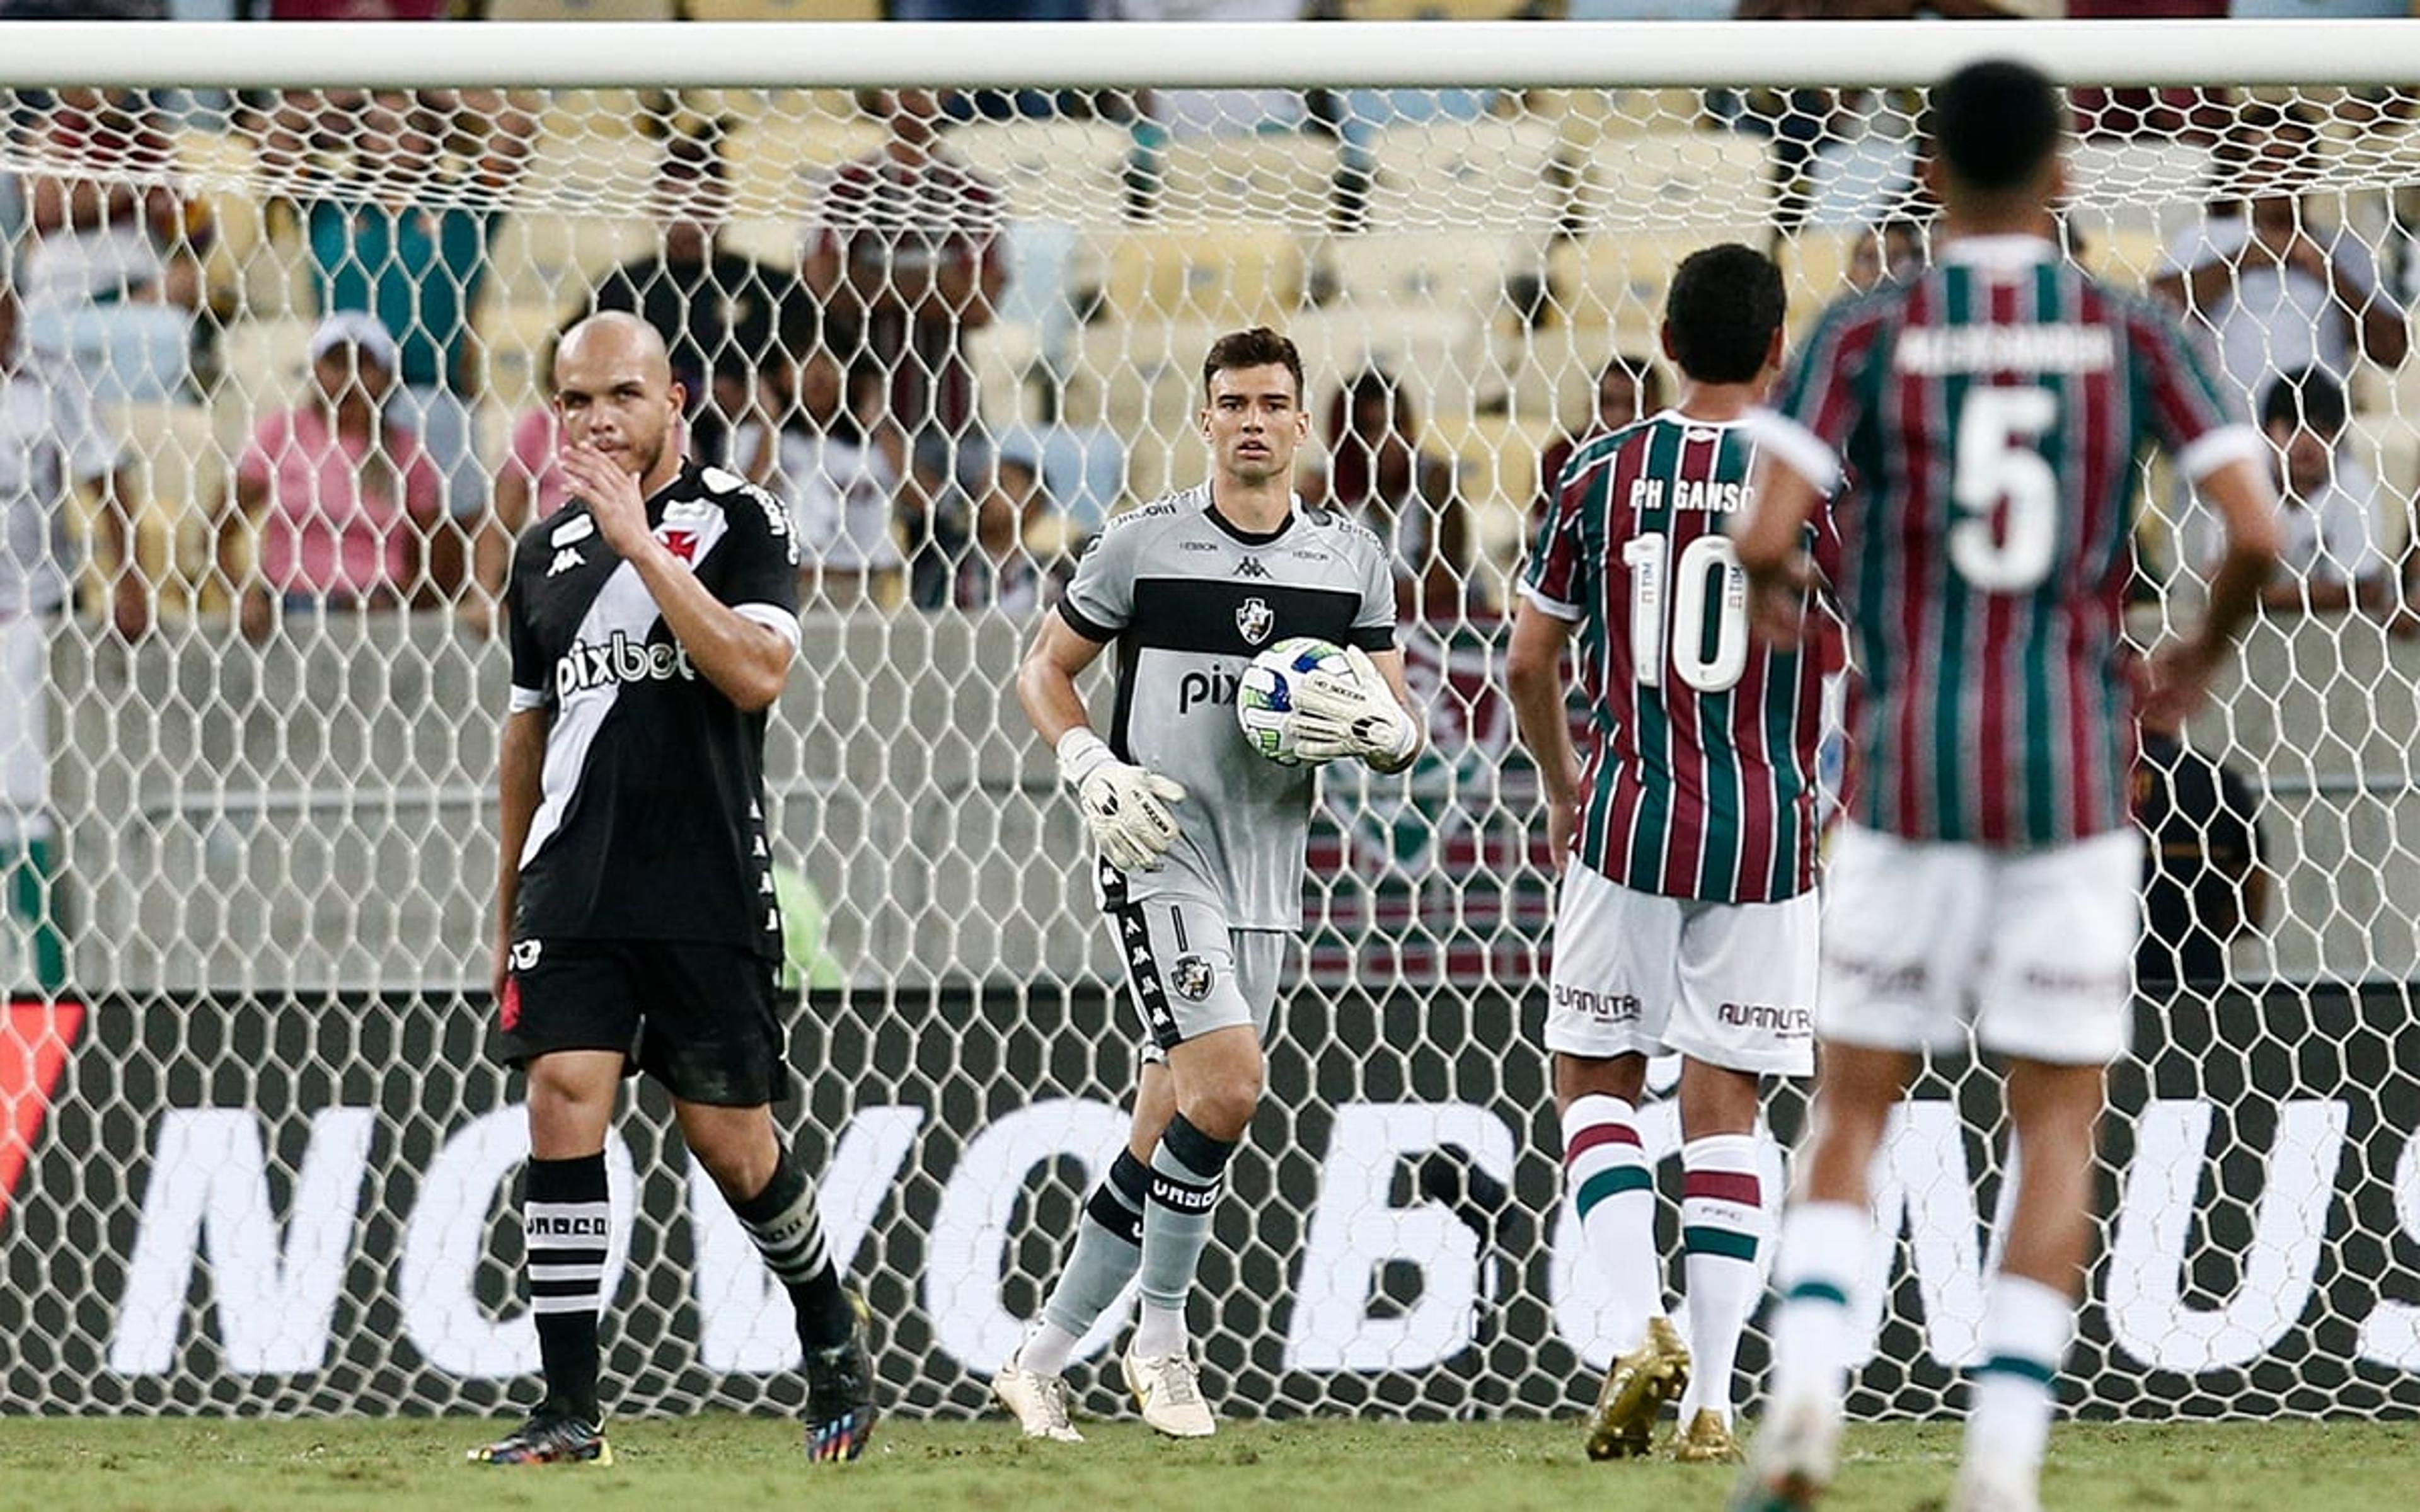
(1700, 780)
(1991, 414)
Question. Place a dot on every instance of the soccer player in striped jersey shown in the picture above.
(1685, 919)
(1988, 415)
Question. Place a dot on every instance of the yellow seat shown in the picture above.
(1071, 172)
(1490, 170)
(1660, 181)
(1240, 275)
(1282, 177)
(1617, 282)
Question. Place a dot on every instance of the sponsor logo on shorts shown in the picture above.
(1605, 1008)
(1785, 1023)
(2074, 983)
(524, 954)
(1896, 979)
(1193, 977)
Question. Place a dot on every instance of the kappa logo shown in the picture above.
(1193, 977)
(1254, 620)
(564, 560)
(35, 1039)
(1251, 567)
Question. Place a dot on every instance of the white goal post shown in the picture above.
(253, 1156)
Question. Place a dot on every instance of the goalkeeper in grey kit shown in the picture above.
(1201, 838)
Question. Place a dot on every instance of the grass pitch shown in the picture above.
(720, 1461)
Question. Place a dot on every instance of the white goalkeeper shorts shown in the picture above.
(1635, 973)
(2034, 950)
(1188, 973)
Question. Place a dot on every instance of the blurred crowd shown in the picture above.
(842, 381)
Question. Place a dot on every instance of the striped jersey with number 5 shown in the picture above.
(1698, 781)
(1990, 415)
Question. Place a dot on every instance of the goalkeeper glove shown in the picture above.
(1354, 714)
(1125, 807)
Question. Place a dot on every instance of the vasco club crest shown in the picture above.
(1255, 619)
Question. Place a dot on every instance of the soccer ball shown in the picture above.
(1265, 699)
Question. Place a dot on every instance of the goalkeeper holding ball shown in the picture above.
(1201, 836)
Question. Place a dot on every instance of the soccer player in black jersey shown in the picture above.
(652, 622)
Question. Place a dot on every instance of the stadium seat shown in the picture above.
(177, 461)
(1492, 170)
(779, 164)
(1230, 274)
(262, 361)
(1617, 282)
(515, 338)
(1860, 182)
(1668, 178)
(1055, 170)
(1461, 272)
(1815, 271)
(1496, 462)
(1286, 176)
(539, 258)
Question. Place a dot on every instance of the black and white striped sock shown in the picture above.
(784, 1221)
(565, 1223)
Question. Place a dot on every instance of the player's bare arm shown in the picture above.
(744, 660)
(1533, 674)
(1772, 550)
(520, 762)
(2247, 508)
(1045, 679)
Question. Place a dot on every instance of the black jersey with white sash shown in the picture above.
(651, 820)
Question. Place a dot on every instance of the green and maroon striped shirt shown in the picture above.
(1697, 781)
(1991, 415)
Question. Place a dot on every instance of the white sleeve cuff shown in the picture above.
(1569, 613)
(525, 699)
(1800, 449)
(779, 621)
(2214, 449)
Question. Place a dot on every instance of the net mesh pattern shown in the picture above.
(251, 850)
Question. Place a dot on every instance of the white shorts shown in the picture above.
(2034, 948)
(1731, 984)
(1189, 973)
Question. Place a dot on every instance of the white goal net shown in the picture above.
(947, 292)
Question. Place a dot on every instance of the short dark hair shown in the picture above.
(2306, 396)
(1724, 306)
(1257, 348)
(1994, 123)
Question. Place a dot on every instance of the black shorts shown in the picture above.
(702, 1019)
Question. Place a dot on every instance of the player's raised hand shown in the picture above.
(612, 494)
(1351, 714)
(1125, 806)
